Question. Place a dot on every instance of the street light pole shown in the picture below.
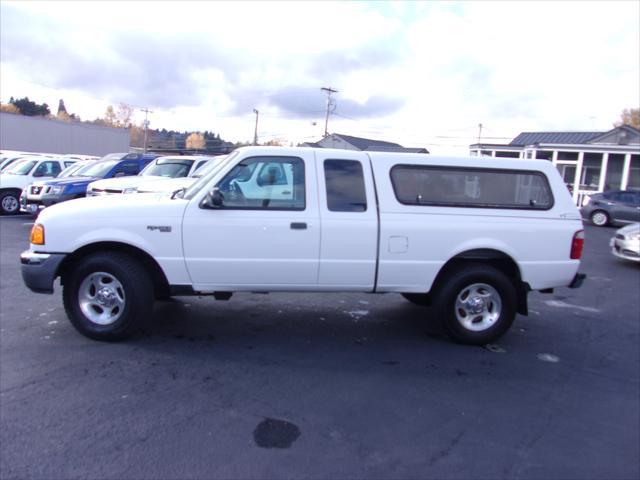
(255, 134)
(329, 91)
(146, 125)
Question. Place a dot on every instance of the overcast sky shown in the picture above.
(416, 73)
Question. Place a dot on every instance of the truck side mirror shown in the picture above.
(213, 199)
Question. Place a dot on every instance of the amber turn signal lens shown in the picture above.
(37, 234)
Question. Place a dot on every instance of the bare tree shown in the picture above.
(195, 141)
(629, 116)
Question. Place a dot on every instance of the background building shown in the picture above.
(588, 161)
(37, 134)
(347, 142)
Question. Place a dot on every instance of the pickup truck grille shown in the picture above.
(103, 191)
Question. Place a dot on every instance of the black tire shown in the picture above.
(9, 203)
(421, 299)
(490, 289)
(120, 277)
(600, 218)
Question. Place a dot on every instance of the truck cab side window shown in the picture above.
(345, 186)
(264, 183)
(47, 169)
(127, 169)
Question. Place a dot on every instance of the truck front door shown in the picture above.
(262, 233)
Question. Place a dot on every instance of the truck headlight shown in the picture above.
(37, 234)
(130, 190)
(56, 190)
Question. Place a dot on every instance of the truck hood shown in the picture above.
(73, 181)
(113, 208)
(8, 180)
(630, 230)
(165, 184)
(121, 183)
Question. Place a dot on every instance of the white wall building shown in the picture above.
(589, 162)
(37, 134)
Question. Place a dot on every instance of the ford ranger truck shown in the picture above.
(468, 236)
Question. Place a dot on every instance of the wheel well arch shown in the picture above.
(495, 258)
(160, 282)
(10, 190)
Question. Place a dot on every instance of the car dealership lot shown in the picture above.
(317, 385)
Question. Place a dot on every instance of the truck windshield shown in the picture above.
(75, 169)
(211, 170)
(22, 167)
(99, 169)
(168, 167)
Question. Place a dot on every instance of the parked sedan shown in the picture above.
(626, 243)
(614, 207)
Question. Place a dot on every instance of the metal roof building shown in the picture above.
(348, 142)
(589, 162)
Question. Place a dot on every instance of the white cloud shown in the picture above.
(414, 73)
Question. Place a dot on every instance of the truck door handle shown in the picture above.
(298, 226)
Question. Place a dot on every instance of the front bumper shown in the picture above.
(49, 200)
(626, 248)
(39, 270)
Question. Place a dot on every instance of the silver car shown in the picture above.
(626, 243)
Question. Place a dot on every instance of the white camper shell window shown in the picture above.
(471, 187)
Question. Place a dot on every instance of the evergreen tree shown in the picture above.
(29, 108)
(61, 108)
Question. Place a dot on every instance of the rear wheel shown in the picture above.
(476, 304)
(108, 296)
(9, 203)
(600, 218)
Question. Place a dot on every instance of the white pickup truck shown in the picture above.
(470, 236)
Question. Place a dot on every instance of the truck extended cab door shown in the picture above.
(349, 217)
(264, 235)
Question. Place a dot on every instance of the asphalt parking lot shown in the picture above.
(323, 386)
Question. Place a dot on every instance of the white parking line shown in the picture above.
(557, 303)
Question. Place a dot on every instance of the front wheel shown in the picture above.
(9, 203)
(476, 304)
(108, 296)
(599, 218)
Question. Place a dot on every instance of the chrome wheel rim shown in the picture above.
(478, 307)
(101, 298)
(599, 218)
(10, 203)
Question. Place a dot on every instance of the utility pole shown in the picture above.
(330, 103)
(146, 125)
(479, 132)
(255, 134)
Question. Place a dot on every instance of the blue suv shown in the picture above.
(109, 166)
